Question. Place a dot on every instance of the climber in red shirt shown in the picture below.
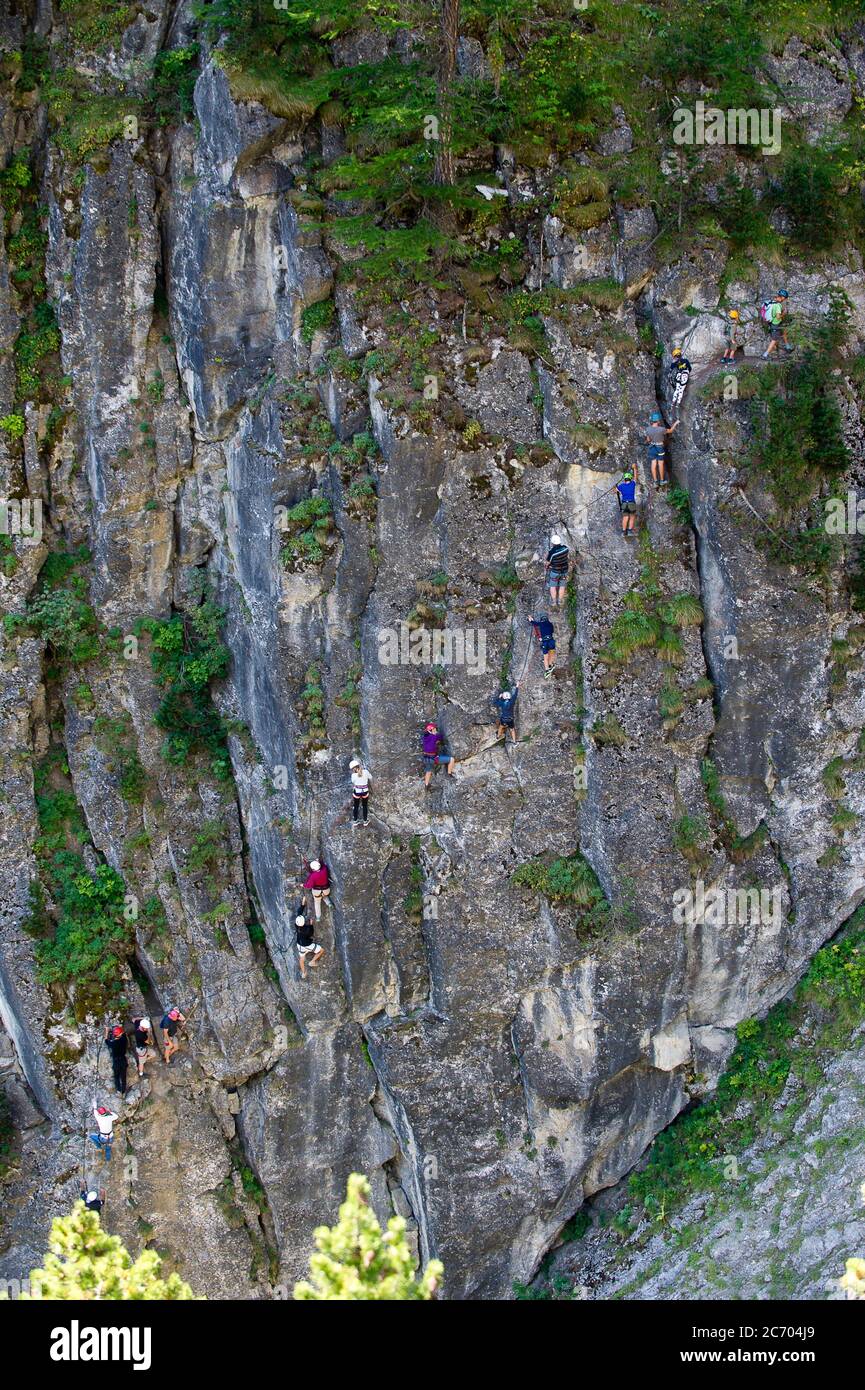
(318, 881)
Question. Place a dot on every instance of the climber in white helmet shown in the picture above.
(143, 1035)
(360, 785)
(318, 883)
(556, 569)
(308, 948)
(505, 704)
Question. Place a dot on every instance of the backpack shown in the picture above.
(770, 312)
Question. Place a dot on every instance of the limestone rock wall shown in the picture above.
(486, 1063)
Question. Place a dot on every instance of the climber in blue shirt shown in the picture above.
(626, 492)
(546, 635)
(505, 703)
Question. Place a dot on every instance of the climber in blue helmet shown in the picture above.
(656, 434)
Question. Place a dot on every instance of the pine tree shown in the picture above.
(852, 1282)
(85, 1262)
(357, 1260)
(450, 30)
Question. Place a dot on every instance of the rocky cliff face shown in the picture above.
(487, 1053)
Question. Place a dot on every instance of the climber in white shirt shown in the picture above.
(360, 785)
(105, 1121)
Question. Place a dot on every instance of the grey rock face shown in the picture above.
(815, 87)
(502, 398)
(485, 1057)
(619, 140)
(471, 59)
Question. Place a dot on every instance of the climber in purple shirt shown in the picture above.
(435, 752)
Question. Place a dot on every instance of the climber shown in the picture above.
(117, 1044)
(773, 312)
(143, 1035)
(318, 882)
(680, 370)
(505, 703)
(627, 495)
(734, 336)
(556, 567)
(545, 633)
(360, 785)
(435, 753)
(656, 433)
(93, 1199)
(306, 943)
(170, 1023)
(105, 1122)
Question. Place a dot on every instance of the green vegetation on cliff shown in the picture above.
(84, 1262)
(89, 933)
(187, 655)
(60, 612)
(571, 881)
(690, 1155)
(546, 82)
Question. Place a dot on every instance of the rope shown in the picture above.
(99, 1046)
(597, 500)
(526, 661)
(542, 581)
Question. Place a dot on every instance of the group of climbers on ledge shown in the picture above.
(116, 1041)
(774, 315)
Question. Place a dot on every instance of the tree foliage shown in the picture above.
(85, 1262)
(799, 434)
(188, 653)
(356, 1260)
